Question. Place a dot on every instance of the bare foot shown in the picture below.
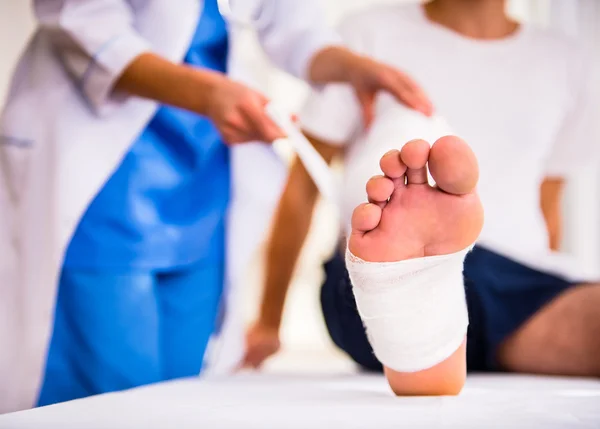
(405, 217)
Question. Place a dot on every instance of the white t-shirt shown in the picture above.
(523, 103)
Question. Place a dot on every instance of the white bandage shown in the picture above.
(414, 311)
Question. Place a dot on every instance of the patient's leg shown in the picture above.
(563, 338)
(407, 220)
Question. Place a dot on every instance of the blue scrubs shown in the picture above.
(142, 278)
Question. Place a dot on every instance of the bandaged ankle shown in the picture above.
(414, 311)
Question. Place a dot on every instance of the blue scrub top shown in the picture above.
(165, 205)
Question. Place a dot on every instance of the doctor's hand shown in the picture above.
(368, 77)
(239, 114)
(237, 111)
(262, 342)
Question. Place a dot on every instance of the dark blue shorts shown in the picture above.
(501, 295)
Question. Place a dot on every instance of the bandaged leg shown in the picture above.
(406, 251)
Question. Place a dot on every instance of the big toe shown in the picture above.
(453, 165)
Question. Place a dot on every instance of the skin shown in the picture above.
(561, 338)
(476, 19)
(551, 193)
(387, 231)
(367, 77)
(290, 227)
(238, 111)
(406, 218)
(479, 19)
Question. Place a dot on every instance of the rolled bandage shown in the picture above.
(414, 311)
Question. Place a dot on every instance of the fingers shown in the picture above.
(241, 117)
(416, 94)
(256, 356)
(261, 343)
(235, 135)
(367, 103)
(264, 128)
(252, 361)
(234, 128)
(406, 91)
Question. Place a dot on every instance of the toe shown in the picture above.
(415, 154)
(379, 190)
(453, 165)
(365, 218)
(392, 166)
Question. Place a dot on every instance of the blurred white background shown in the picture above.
(303, 331)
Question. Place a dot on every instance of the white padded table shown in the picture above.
(317, 401)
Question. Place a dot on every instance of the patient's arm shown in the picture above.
(290, 228)
(550, 199)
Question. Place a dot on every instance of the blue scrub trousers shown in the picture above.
(143, 275)
(118, 330)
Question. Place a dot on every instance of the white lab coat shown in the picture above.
(62, 134)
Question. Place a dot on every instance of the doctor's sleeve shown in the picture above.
(333, 114)
(578, 140)
(292, 31)
(95, 40)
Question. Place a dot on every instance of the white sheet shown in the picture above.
(310, 402)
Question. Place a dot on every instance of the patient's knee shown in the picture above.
(561, 339)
